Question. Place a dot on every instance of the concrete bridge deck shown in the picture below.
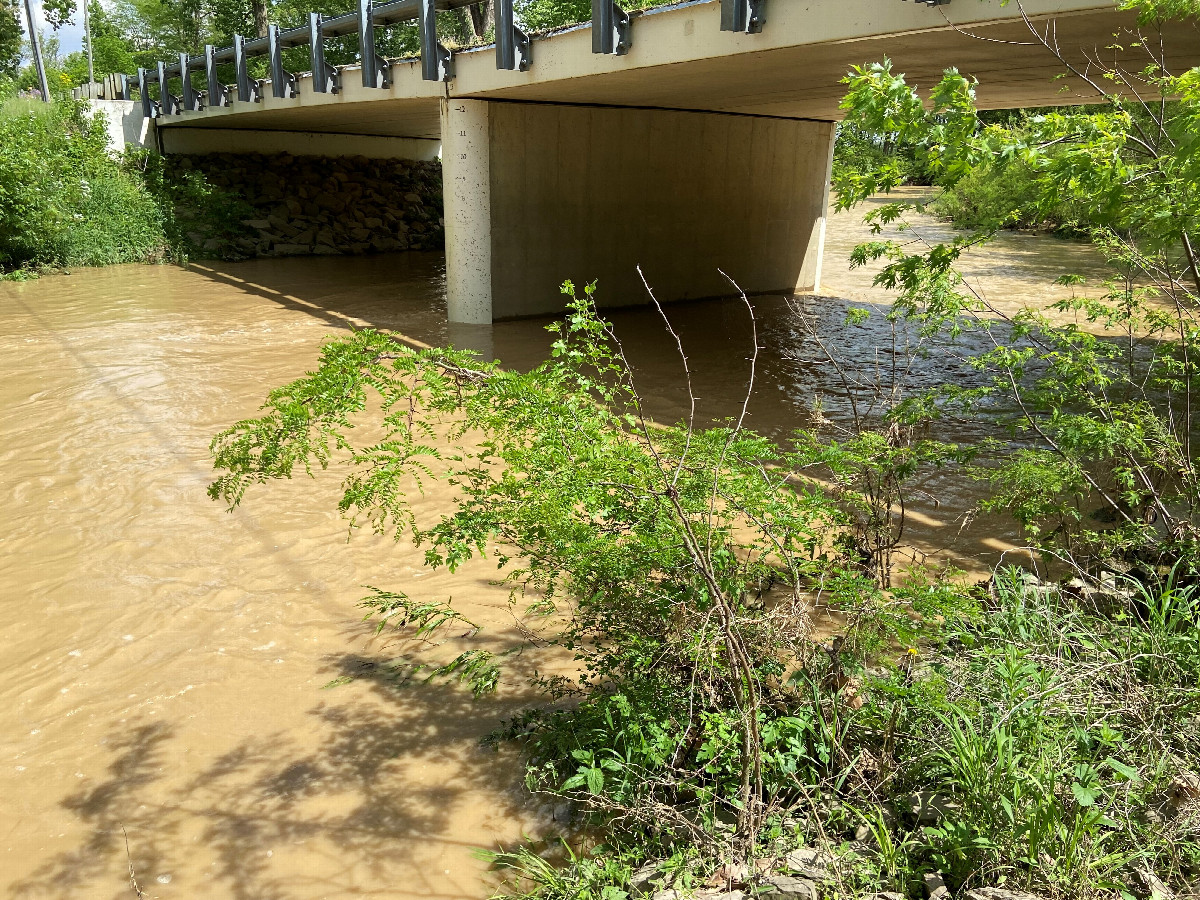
(680, 59)
(697, 149)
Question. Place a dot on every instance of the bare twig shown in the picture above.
(133, 882)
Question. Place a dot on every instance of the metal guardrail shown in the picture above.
(611, 34)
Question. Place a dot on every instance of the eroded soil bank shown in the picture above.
(164, 660)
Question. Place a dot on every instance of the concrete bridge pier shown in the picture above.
(536, 193)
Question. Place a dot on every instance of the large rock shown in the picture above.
(1155, 886)
(996, 893)
(641, 882)
(814, 864)
(787, 887)
(935, 887)
(929, 806)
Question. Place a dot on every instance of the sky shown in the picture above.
(70, 36)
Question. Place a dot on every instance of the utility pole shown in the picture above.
(37, 53)
(87, 33)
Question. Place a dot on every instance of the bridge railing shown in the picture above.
(611, 34)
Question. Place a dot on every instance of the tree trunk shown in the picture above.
(260, 17)
(481, 17)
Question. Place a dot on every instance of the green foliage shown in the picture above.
(858, 152)
(1007, 197)
(112, 51)
(1052, 746)
(58, 12)
(11, 34)
(400, 611)
(543, 15)
(1097, 388)
(63, 199)
(563, 875)
(879, 102)
(118, 221)
(676, 564)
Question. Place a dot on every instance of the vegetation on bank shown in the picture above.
(66, 200)
(63, 199)
(1006, 194)
(1023, 734)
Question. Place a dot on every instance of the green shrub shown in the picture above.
(64, 199)
(118, 221)
(1050, 736)
(678, 563)
(1007, 197)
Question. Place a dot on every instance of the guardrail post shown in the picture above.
(436, 62)
(283, 83)
(611, 32)
(513, 48)
(247, 90)
(167, 105)
(747, 16)
(216, 90)
(376, 71)
(187, 96)
(325, 78)
(149, 107)
(116, 86)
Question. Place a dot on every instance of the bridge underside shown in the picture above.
(697, 150)
(538, 193)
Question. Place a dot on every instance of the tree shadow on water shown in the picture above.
(347, 794)
(140, 754)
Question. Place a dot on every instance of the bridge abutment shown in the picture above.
(537, 193)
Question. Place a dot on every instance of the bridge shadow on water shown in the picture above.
(351, 789)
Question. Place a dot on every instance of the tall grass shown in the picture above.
(1048, 741)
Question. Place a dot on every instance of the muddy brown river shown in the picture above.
(164, 695)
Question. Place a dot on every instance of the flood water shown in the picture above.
(165, 663)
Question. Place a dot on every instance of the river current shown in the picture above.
(191, 691)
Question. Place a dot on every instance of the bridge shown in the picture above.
(686, 138)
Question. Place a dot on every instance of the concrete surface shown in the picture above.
(467, 195)
(681, 60)
(125, 124)
(539, 193)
